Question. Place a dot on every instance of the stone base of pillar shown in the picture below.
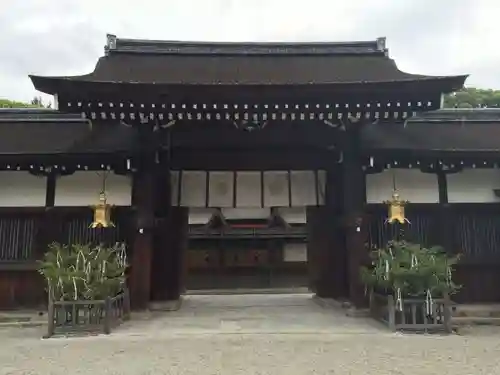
(166, 305)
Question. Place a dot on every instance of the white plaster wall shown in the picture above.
(246, 213)
(247, 186)
(221, 189)
(22, 189)
(293, 215)
(200, 216)
(276, 189)
(295, 252)
(303, 188)
(193, 189)
(473, 186)
(412, 185)
(82, 189)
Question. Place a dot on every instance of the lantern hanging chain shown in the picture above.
(104, 176)
(393, 180)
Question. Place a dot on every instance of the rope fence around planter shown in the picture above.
(413, 314)
(82, 316)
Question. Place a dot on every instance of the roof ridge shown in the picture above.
(115, 44)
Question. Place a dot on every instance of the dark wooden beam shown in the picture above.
(356, 229)
(277, 134)
(252, 159)
(444, 225)
(50, 192)
(326, 243)
(442, 179)
(142, 242)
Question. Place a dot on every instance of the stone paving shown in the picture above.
(253, 334)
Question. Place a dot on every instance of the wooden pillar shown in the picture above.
(142, 240)
(355, 219)
(444, 225)
(326, 243)
(50, 221)
(50, 192)
(169, 245)
(171, 255)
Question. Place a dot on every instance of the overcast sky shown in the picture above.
(65, 37)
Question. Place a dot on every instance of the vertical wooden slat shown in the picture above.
(289, 181)
(235, 188)
(316, 186)
(391, 319)
(262, 195)
(425, 321)
(413, 313)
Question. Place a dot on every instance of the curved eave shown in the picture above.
(84, 84)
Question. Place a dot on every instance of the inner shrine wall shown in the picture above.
(248, 189)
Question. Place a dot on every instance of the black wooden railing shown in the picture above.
(413, 314)
(100, 316)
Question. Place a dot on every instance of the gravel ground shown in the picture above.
(251, 335)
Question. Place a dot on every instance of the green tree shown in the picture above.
(473, 98)
(36, 102)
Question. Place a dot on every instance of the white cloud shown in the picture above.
(50, 37)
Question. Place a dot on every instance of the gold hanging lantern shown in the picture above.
(396, 209)
(396, 206)
(102, 210)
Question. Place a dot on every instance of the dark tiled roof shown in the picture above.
(46, 132)
(197, 63)
(50, 132)
(443, 130)
(107, 138)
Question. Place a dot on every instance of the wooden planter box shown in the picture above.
(97, 316)
(413, 316)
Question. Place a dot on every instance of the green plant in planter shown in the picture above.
(406, 269)
(83, 272)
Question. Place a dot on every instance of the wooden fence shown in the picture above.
(24, 236)
(99, 316)
(471, 230)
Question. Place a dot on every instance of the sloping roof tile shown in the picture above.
(198, 63)
(45, 132)
(443, 130)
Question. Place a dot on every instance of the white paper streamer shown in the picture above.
(429, 303)
(399, 300)
(414, 261)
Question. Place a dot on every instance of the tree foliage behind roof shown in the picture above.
(473, 98)
(36, 102)
(467, 98)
